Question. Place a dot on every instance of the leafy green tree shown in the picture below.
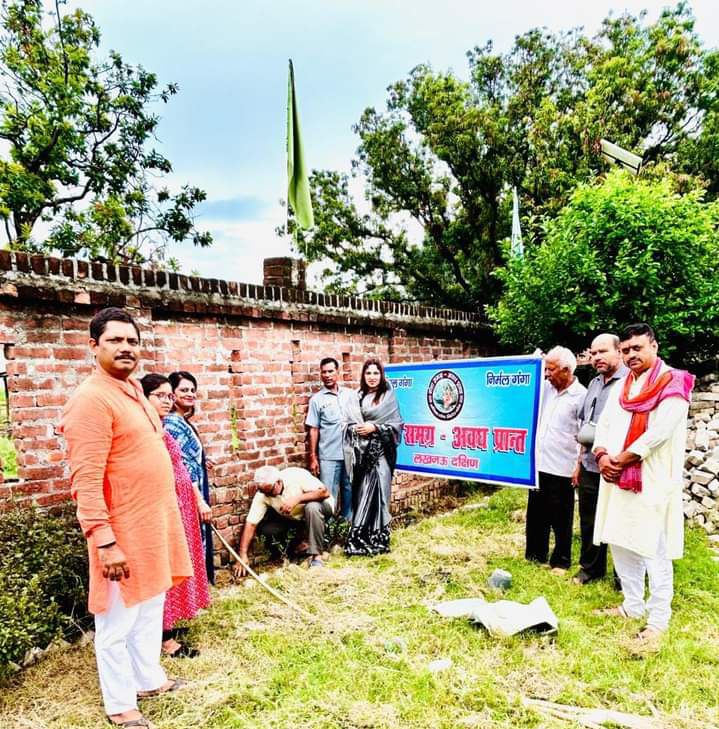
(79, 165)
(439, 163)
(621, 251)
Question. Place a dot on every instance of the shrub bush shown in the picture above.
(623, 250)
(43, 580)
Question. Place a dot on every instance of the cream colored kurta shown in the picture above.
(636, 521)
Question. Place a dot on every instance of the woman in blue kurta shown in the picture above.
(178, 425)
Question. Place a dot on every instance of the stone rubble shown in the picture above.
(701, 467)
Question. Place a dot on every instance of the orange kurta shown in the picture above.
(124, 486)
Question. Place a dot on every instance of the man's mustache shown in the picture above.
(126, 356)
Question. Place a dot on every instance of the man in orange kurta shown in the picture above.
(123, 483)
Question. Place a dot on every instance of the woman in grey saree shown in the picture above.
(371, 430)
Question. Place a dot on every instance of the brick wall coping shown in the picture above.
(69, 281)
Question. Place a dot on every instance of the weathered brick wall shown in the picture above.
(254, 349)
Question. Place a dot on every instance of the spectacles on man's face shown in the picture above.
(168, 396)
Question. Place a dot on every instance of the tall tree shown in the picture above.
(622, 250)
(79, 175)
(440, 161)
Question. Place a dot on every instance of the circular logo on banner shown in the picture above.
(445, 395)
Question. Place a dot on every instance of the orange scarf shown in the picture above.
(640, 420)
(673, 383)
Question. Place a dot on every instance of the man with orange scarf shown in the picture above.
(639, 447)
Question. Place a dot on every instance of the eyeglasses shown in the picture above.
(163, 396)
(186, 390)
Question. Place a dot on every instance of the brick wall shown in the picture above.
(254, 349)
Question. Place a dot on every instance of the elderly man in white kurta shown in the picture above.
(639, 446)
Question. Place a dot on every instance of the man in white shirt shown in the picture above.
(551, 506)
(639, 447)
(283, 501)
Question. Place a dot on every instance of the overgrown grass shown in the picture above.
(8, 455)
(363, 662)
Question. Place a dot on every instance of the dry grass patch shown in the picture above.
(362, 661)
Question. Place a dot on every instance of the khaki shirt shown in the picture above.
(297, 481)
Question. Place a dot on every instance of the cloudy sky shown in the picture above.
(225, 130)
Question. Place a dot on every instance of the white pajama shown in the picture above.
(632, 570)
(128, 642)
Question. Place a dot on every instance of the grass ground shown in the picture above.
(8, 456)
(362, 663)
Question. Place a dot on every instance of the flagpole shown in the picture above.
(517, 246)
(287, 145)
(291, 84)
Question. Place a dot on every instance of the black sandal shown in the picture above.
(184, 651)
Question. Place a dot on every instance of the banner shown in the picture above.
(473, 419)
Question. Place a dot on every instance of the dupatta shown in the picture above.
(672, 383)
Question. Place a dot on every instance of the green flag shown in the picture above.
(298, 185)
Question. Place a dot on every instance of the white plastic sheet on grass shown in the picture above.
(503, 617)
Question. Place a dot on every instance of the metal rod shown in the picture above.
(255, 576)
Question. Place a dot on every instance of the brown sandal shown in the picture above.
(175, 685)
(645, 642)
(612, 612)
(141, 722)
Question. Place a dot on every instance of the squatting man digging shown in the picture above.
(286, 500)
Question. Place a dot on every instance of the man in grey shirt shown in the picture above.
(324, 420)
(606, 359)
